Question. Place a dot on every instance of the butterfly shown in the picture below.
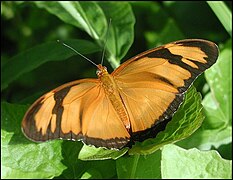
(115, 108)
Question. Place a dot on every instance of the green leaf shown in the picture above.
(185, 122)
(21, 159)
(77, 168)
(223, 13)
(178, 163)
(121, 30)
(219, 77)
(218, 103)
(139, 166)
(217, 127)
(38, 55)
(92, 153)
(87, 16)
(91, 17)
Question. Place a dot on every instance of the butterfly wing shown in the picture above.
(152, 84)
(79, 110)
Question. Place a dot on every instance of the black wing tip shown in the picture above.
(207, 46)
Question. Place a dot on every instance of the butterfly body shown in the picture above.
(112, 92)
(143, 92)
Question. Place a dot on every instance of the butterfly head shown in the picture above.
(102, 70)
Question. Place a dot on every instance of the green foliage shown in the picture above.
(33, 63)
(186, 164)
(174, 162)
(92, 153)
(87, 16)
(92, 17)
(139, 167)
(77, 168)
(22, 158)
(35, 57)
(223, 13)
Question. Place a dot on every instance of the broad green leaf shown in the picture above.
(92, 17)
(217, 127)
(219, 77)
(38, 55)
(77, 168)
(218, 104)
(21, 158)
(139, 166)
(121, 30)
(87, 16)
(178, 163)
(92, 153)
(185, 122)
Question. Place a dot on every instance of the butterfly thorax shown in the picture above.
(112, 92)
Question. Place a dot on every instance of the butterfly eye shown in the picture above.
(98, 72)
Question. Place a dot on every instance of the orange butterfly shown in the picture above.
(116, 108)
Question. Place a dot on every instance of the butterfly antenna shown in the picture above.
(77, 52)
(102, 59)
